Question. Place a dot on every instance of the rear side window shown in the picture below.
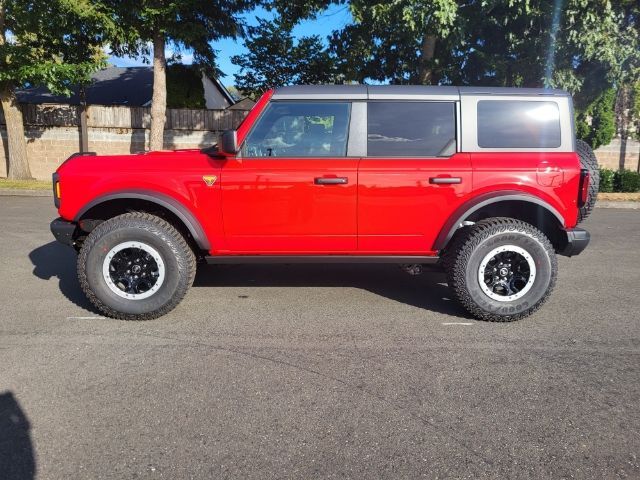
(518, 124)
(295, 129)
(411, 129)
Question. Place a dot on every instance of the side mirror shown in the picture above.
(228, 142)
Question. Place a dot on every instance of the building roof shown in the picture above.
(393, 92)
(131, 86)
(243, 104)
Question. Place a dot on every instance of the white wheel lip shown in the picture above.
(142, 246)
(507, 248)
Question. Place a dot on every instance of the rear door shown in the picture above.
(412, 178)
(292, 188)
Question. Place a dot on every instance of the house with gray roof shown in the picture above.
(127, 86)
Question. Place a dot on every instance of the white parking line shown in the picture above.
(457, 323)
(86, 318)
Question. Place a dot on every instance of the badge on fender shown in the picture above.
(209, 179)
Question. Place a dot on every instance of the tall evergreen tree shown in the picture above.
(183, 24)
(275, 58)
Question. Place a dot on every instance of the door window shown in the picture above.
(411, 129)
(293, 129)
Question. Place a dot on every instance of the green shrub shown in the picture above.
(627, 181)
(184, 87)
(607, 176)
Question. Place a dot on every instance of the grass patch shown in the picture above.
(25, 184)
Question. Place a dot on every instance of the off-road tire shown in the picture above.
(178, 258)
(589, 162)
(463, 258)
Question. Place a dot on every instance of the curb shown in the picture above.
(19, 192)
(610, 204)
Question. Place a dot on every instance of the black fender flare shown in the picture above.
(468, 208)
(165, 201)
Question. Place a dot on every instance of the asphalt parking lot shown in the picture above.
(318, 371)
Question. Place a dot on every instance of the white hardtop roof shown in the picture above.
(401, 92)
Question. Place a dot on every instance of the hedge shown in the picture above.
(619, 180)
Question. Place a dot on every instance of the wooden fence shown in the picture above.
(99, 116)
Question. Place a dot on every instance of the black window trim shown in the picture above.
(457, 127)
(301, 100)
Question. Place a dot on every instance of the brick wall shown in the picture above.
(47, 148)
(611, 156)
(52, 132)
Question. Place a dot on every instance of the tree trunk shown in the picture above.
(425, 75)
(623, 121)
(18, 165)
(159, 99)
(84, 130)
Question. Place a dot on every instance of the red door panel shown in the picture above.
(400, 208)
(273, 205)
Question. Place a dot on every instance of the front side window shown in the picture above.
(411, 129)
(518, 124)
(296, 129)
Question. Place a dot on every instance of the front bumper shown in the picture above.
(577, 241)
(64, 231)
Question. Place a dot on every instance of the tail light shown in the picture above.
(56, 190)
(585, 178)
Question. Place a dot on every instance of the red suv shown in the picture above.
(488, 183)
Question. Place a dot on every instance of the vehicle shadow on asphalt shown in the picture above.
(57, 260)
(427, 291)
(17, 459)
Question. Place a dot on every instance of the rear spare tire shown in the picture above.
(135, 266)
(588, 162)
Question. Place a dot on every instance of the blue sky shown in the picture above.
(333, 18)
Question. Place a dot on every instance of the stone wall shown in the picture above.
(611, 156)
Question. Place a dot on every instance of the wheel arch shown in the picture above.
(178, 214)
(517, 205)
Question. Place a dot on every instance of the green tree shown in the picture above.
(491, 42)
(183, 24)
(636, 114)
(276, 59)
(401, 41)
(56, 44)
(596, 124)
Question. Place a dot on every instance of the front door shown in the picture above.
(292, 189)
(412, 178)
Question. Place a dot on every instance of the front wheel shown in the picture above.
(501, 269)
(135, 266)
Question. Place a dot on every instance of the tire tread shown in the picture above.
(458, 254)
(143, 220)
(589, 161)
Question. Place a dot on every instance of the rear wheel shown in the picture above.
(135, 266)
(501, 269)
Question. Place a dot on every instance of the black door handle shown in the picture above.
(331, 180)
(445, 180)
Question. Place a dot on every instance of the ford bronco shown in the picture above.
(487, 183)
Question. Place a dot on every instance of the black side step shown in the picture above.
(249, 259)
